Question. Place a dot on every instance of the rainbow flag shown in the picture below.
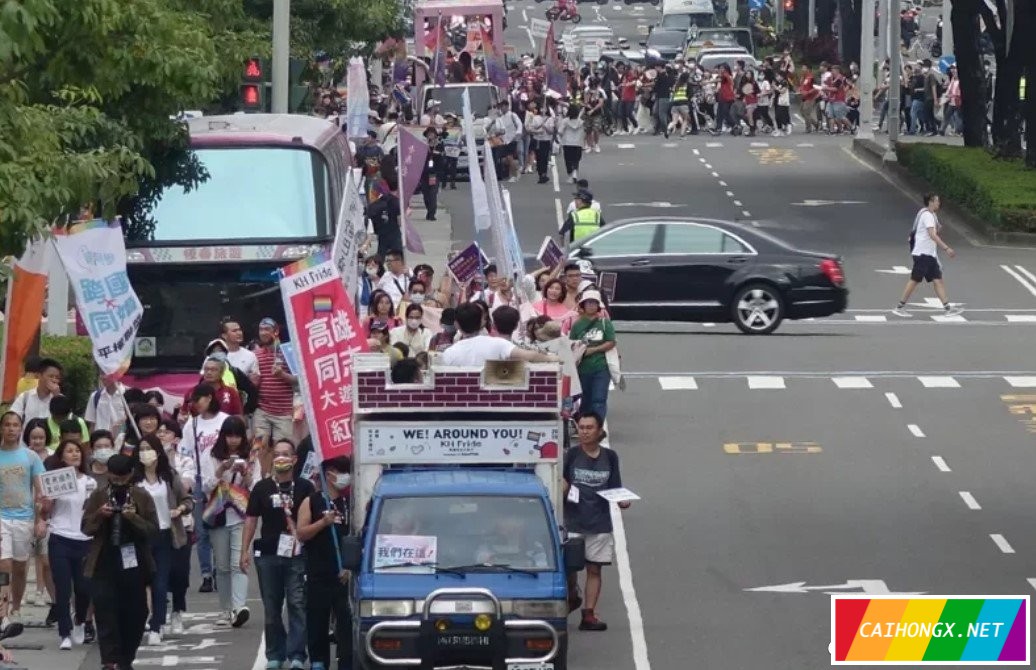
(322, 303)
(930, 630)
(306, 263)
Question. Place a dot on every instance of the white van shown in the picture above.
(682, 14)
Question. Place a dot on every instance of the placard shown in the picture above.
(591, 52)
(550, 254)
(468, 263)
(459, 443)
(618, 495)
(606, 282)
(59, 483)
(539, 28)
(392, 550)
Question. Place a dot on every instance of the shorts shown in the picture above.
(837, 110)
(682, 109)
(16, 540)
(926, 268)
(600, 548)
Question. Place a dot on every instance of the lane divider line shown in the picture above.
(852, 382)
(554, 176)
(629, 593)
(1031, 288)
(940, 463)
(939, 382)
(915, 430)
(969, 500)
(894, 400)
(1001, 543)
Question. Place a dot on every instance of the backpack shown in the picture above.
(247, 390)
(913, 230)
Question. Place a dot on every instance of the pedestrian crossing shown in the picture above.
(777, 382)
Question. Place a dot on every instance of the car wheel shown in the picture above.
(576, 18)
(757, 309)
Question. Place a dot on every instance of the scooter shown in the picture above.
(563, 14)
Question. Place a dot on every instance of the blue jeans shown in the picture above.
(204, 544)
(595, 392)
(66, 565)
(283, 579)
(162, 552)
(917, 117)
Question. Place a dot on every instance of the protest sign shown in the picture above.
(59, 483)
(550, 254)
(468, 262)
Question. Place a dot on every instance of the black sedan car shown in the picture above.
(703, 270)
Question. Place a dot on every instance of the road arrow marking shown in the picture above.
(823, 203)
(868, 586)
(896, 270)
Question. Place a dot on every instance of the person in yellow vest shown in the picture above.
(584, 221)
(680, 105)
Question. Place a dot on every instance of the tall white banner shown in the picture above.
(94, 256)
(358, 101)
(350, 231)
(479, 202)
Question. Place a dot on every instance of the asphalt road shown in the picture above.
(859, 453)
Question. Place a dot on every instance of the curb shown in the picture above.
(873, 153)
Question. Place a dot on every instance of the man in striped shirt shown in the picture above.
(273, 417)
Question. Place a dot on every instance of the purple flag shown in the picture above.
(496, 66)
(439, 62)
(413, 152)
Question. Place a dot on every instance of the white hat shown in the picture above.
(591, 295)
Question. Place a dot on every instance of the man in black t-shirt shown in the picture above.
(323, 521)
(278, 556)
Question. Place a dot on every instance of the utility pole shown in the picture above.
(865, 131)
(895, 68)
(281, 43)
(812, 22)
(779, 18)
(947, 29)
(883, 30)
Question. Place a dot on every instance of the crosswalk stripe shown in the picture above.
(871, 318)
(678, 383)
(1020, 318)
(1021, 382)
(765, 382)
(942, 318)
(939, 382)
(852, 382)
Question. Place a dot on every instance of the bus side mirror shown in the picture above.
(575, 554)
(352, 552)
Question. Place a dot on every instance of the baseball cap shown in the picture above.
(379, 326)
(584, 194)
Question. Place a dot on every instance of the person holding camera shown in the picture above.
(122, 523)
(278, 556)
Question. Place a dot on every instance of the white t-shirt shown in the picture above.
(417, 341)
(106, 410)
(244, 360)
(207, 430)
(160, 494)
(923, 242)
(395, 286)
(474, 351)
(29, 405)
(66, 518)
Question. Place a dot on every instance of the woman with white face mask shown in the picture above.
(172, 504)
(169, 434)
(412, 333)
(370, 275)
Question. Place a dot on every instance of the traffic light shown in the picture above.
(253, 86)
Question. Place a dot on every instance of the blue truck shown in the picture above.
(458, 554)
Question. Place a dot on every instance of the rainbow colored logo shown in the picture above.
(322, 303)
(930, 630)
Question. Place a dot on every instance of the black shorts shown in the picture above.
(509, 150)
(926, 268)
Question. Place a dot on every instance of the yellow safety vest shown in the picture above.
(679, 94)
(588, 220)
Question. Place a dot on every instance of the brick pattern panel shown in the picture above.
(457, 390)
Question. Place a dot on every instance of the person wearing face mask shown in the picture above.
(169, 434)
(173, 504)
(282, 568)
(412, 333)
(416, 295)
(323, 521)
(373, 269)
(120, 519)
(447, 333)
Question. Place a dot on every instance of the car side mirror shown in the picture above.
(575, 554)
(352, 552)
(584, 252)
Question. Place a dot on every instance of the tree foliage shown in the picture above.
(87, 92)
(331, 25)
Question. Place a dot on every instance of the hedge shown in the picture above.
(1000, 192)
(76, 358)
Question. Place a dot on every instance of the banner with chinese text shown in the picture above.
(94, 256)
(322, 323)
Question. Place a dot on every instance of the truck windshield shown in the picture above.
(452, 98)
(252, 193)
(473, 531)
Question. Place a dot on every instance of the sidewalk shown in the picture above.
(437, 235)
(37, 647)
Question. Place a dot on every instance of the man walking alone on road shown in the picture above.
(587, 470)
(925, 243)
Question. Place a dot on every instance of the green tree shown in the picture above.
(334, 26)
(88, 92)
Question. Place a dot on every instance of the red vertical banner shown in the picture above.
(322, 323)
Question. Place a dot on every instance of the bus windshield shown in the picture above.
(252, 193)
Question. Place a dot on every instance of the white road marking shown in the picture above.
(709, 324)
(1001, 542)
(894, 400)
(708, 167)
(260, 654)
(745, 212)
(626, 146)
(670, 145)
(760, 144)
(1021, 382)
(798, 117)
(871, 318)
(804, 144)
(933, 302)
(697, 153)
(560, 212)
(939, 382)
(765, 382)
(915, 430)
(852, 382)
(969, 500)
(711, 145)
(730, 194)
(701, 160)
(525, 16)
(678, 383)
(629, 594)
(554, 176)
(1030, 287)
(737, 203)
(532, 40)
(1032, 582)
(715, 174)
(1030, 276)
(942, 318)
(940, 463)
(722, 183)
(1020, 318)
(896, 270)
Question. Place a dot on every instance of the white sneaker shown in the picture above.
(66, 644)
(787, 131)
(154, 639)
(176, 623)
(597, 149)
(776, 133)
(512, 180)
(953, 311)
(79, 634)
(225, 619)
